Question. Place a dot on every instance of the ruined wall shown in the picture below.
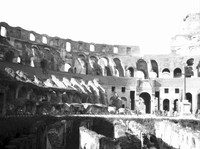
(99, 60)
(176, 136)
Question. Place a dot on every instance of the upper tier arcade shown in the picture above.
(65, 44)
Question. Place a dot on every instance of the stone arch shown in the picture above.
(189, 98)
(80, 64)
(124, 101)
(142, 66)
(119, 67)
(67, 67)
(103, 62)
(9, 56)
(68, 46)
(176, 105)
(166, 73)
(31, 37)
(190, 62)
(130, 72)
(177, 73)
(154, 66)
(189, 68)
(109, 70)
(95, 67)
(166, 105)
(147, 101)
(37, 55)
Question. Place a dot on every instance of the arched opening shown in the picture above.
(177, 73)
(130, 72)
(189, 69)
(147, 101)
(3, 31)
(118, 66)
(80, 65)
(154, 66)
(66, 67)
(124, 102)
(176, 105)
(142, 66)
(32, 37)
(115, 50)
(96, 68)
(92, 48)
(9, 56)
(190, 62)
(103, 62)
(166, 73)
(166, 105)
(189, 98)
(44, 40)
(68, 46)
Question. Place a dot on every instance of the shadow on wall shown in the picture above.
(163, 145)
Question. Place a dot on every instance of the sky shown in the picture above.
(149, 24)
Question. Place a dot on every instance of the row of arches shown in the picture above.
(103, 66)
(166, 102)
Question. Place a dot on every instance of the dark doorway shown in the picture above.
(177, 73)
(154, 65)
(157, 94)
(132, 96)
(166, 104)
(130, 72)
(176, 105)
(189, 98)
(147, 101)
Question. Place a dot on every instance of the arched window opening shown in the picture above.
(142, 66)
(177, 73)
(190, 62)
(119, 69)
(115, 50)
(147, 101)
(124, 102)
(66, 67)
(3, 31)
(166, 105)
(189, 98)
(176, 105)
(166, 70)
(44, 40)
(68, 46)
(96, 68)
(166, 73)
(92, 48)
(130, 72)
(189, 68)
(32, 37)
(83, 64)
(154, 66)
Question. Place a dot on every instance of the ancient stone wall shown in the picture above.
(176, 136)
